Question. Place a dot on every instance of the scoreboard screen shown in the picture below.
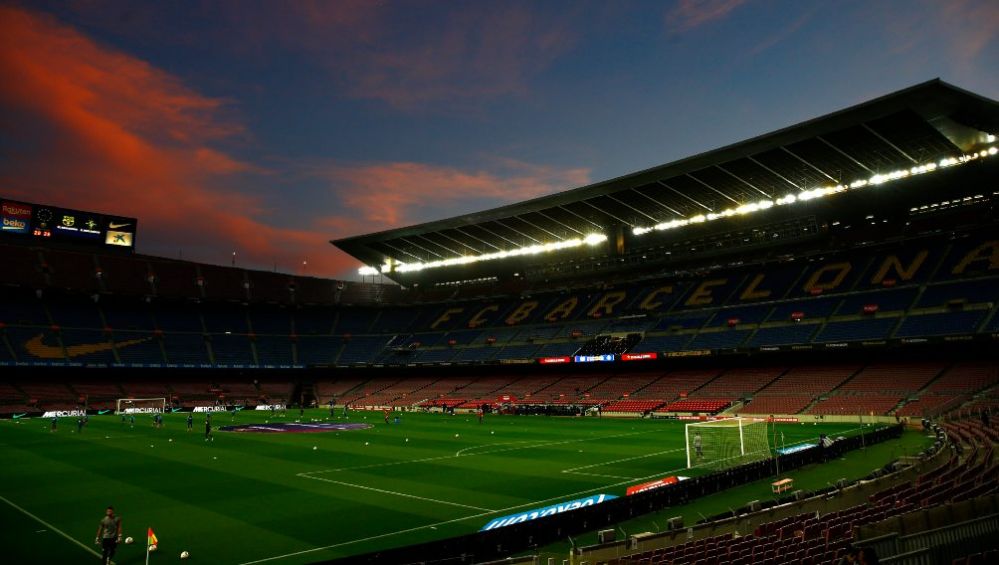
(41, 221)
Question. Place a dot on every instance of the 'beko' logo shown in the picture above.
(13, 224)
(15, 217)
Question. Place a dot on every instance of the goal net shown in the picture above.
(719, 444)
(140, 406)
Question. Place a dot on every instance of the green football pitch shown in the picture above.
(303, 497)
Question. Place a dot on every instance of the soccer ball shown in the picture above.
(129, 540)
(184, 555)
(152, 547)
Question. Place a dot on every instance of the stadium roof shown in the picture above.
(909, 128)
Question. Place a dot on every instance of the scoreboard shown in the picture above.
(42, 222)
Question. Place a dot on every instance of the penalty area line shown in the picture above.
(394, 493)
(51, 527)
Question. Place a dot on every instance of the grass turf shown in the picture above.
(272, 498)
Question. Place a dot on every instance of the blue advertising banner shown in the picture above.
(546, 511)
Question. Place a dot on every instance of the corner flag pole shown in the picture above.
(150, 542)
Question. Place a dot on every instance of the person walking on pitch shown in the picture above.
(108, 535)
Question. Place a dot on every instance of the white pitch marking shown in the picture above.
(394, 493)
(575, 469)
(460, 451)
(51, 527)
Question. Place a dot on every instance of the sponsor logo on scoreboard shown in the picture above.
(546, 511)
(119, 238)
(16, 217)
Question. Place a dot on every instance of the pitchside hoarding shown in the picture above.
(652, 485)
(529, 515)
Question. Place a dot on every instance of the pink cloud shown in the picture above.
(130, 139)
(691, 14)
(975, 26)
(387, 195)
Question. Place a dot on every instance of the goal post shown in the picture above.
(140, 406)
(719, 444)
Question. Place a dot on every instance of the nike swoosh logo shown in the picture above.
(115, 226)
(36, 347)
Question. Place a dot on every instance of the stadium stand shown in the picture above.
(797, 388)
(878, 389)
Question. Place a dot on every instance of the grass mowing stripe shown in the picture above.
(51, 527)
(456, 455)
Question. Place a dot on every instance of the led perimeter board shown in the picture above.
(39, 221)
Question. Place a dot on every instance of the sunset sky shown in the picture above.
(269, 128)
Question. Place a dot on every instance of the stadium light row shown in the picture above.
(751, 208)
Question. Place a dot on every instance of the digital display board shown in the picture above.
(639, 356)
(593, 358)
(554, 360)
(64, 224)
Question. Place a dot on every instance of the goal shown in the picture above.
(726, 443)
(140, 406)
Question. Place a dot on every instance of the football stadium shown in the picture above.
(778, 351)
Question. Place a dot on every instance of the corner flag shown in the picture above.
(151, 542)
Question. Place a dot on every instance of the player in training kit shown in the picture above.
(55, 423)
(108, 535)
(385, 413)
(208, 429)
(190, 421)
(698, 451)
(79, 425)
